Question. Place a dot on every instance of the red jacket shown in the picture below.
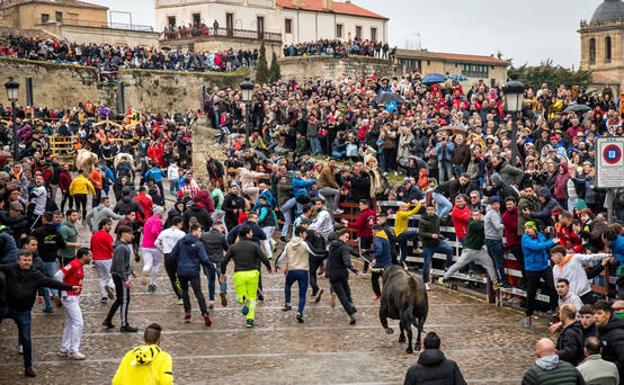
(102, 245)
(157, 154)
(64, 179)
(510, 220)
(364, 222)
(569, 239)
(146, 204)
(205, 200)
(460, 220)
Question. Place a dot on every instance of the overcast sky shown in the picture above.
(526, 31)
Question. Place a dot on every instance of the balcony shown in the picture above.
(205, 33)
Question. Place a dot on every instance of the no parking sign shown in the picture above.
(610, 165)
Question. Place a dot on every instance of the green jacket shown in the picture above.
(562, 374)
(427, 226)
(70, 235)
(476, 235)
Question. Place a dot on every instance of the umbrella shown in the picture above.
(576, 107)
(453, 130)
(457, 78)
(433, 78)
(387, 98)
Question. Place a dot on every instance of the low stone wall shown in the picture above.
(329, 68)
(62, 86)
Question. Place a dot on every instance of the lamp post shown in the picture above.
(12, 90)
(247, 87)
(514, 94)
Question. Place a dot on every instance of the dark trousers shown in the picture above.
(301, 277)
(365, 244)
(516, 251)
(196, 285)
(533, 282)
(96, 198)
(67, 199)
(315, 263)
(590, 298)
(496, 252)
(442, 247)
(375, 282)
(22, 320)
(170, 268)
(340, 285)
(402, 239)
(81, 204)
(122, 300)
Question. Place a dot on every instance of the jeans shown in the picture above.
(196, 285)
(495, 250)
(445, 170)
(173, 187)
(443, 248)
(301, 277)
(315, 145)
(287, 211)
(332, 195)
(402, 239)
(339, 154)
(22, 320)
(50, 268)
(212, 275)
(458, 170)
(516, 251)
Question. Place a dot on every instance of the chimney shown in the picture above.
(328, 5)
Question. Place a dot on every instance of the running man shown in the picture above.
(165, 242)
(247, 257)
(102, 247)
(338, 266)
(151, 255)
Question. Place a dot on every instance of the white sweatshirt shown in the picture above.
(168, 238)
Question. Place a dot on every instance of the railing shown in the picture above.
(97, 24)
(214, 33)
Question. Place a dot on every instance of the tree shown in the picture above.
(262, 68)
(546, 72)
(275, 73)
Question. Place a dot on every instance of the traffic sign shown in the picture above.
(610, 165)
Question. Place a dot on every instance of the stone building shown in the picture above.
(602, 45)
(245, 23)
(490, 69)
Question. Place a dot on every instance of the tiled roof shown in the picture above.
(342, 8)
(452, 57)
(69, 3)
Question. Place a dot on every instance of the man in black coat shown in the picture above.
(359, 183)
(611, 333)
(570, 341)
(433, 367)
(22, 282)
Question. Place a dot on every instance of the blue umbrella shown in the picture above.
(457, 78)
(433, 78)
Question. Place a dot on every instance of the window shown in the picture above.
(58, 16)
(339, 31)
(229, 22)
(475, 70)
(45, 18)
(358, 32)
(288, 26)
(171, 21)
(374, 34)
(260, 23)
(196, 19)
(410, 64)
(608, 49)
(592, 51)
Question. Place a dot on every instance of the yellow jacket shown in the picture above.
(402, 218)
(81, 185)
(145, 365)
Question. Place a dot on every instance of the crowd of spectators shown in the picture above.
(339, 48)
(108, 58)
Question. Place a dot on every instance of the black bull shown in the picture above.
(404, 297)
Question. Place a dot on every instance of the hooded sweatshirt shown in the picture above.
(363, 224)
(493, 224)
(381, 250)
(550, 370)
(145, 365)
(434, 368)
(188, 254)
(296, 254)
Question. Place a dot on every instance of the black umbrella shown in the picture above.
(387, 98)
(576, 107)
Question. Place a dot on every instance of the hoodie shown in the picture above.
(363, 224)
(560, 188)
(551, 370)
(99, 213)
(145, 365)
(127, 204)
(543, 215)
(381, 250)
(493, 224)
(188, 254)
(339, 258)
(434, 368)
(612, 337)
(296, 254)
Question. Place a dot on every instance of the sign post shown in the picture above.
(610, 168)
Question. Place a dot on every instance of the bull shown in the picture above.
(403, 298)
(86, 160)
(123, 157)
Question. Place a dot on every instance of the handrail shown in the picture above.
(205, 32)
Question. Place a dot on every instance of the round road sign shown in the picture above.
(612, 154)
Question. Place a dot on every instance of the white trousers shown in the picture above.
(72, 331)
(268, 243)
(102, 268)
(151, 263)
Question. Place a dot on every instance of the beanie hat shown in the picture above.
(531, 225)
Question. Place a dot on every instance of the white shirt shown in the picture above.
(168, 238)
(172, 172)
(575, 273)
(39, 198)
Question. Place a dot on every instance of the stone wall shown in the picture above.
(329, 68)
(62, 86)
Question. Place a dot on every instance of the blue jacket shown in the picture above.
(536, 252)
(154, 173)
(382, 252)
(442, 154)
(617, 248)
(109, 176)
(8, 251)
(258, 233)
(189, 253)
(301, 187)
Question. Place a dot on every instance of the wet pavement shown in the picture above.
(488, 342)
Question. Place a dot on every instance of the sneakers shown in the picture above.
(178, 287)
(151, 288)
(375, 298)
(77, 356)
(527, 322)
(441, 281)
(299, 317)
(187, 317)
(497, 285)
(29, 372)
(110, 292)
(318, 296)
(427, 286)
(260, 297)
(223, 299)
(180, 301)
(249, 324)
(128, 329)
(145, 278)
(58, 302)
(207, 320)
(332, 300)
(108, 325)
(287, 307)
(352, 319)
(62, 354)
(104, 300)
(245, 309)
(210, 305)
(20, 349)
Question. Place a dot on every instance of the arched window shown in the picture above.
(592, 51)
(608, 49)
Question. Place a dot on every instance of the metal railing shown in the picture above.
(204, 32)
(98, 24)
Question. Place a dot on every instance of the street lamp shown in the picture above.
(247, 88)
(12, 90)
(514, 94)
